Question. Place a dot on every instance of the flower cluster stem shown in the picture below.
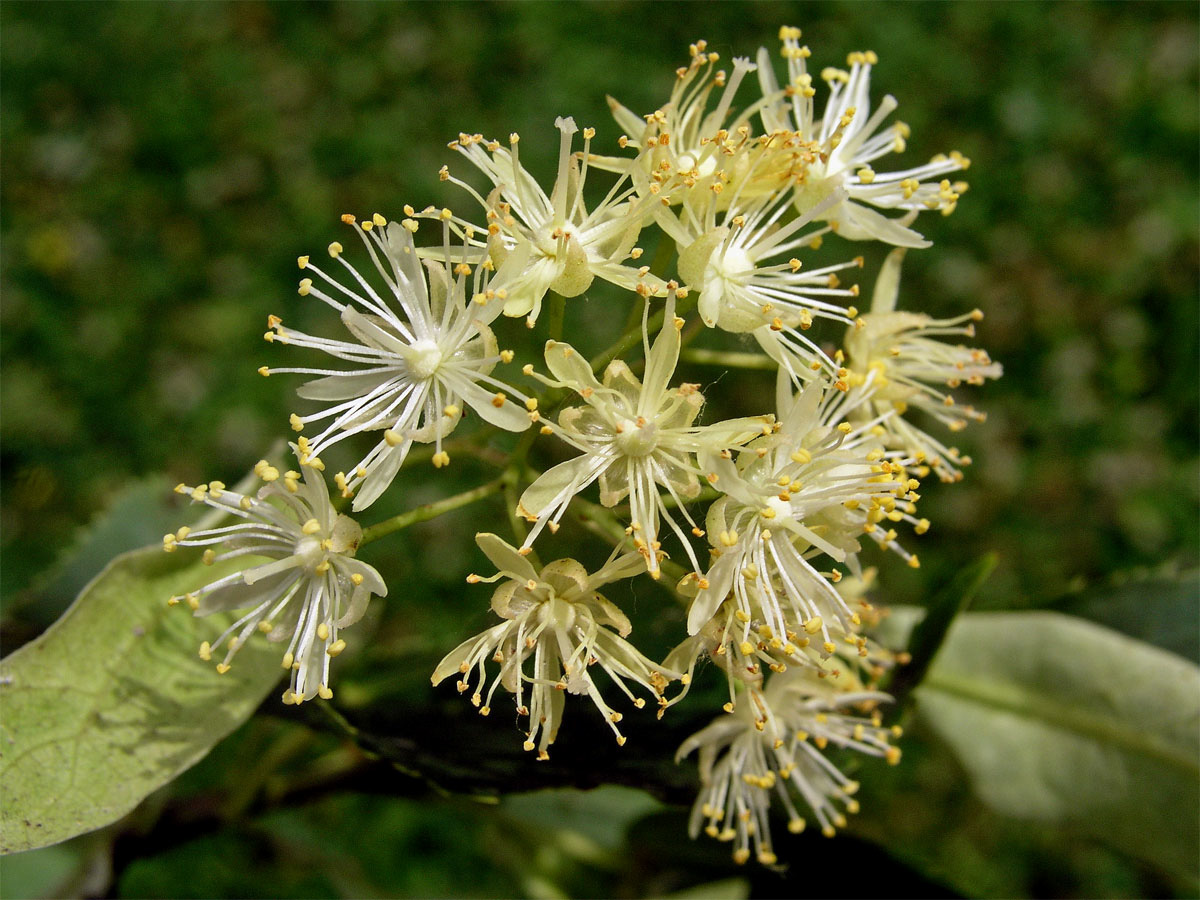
(432, 510)
(731, 359)
(557, 310)
(604, 524)
(633, 336)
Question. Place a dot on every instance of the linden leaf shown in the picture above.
(1060, 720)
(112, 702)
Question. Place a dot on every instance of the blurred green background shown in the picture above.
(164, 164)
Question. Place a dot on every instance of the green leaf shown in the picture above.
(112, 702)
(1060, 720)
(599, 817)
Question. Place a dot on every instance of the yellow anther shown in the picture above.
(265, 470)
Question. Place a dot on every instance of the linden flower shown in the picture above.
(681, 142)
(634, 437)
(773, 745)
(567, 245)
(898, 360)
(311, 587)
(557, 618)
(811, 490)
(849, 141)
(741, 261)
(739, 652)
(414, 370)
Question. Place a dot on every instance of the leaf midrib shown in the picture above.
(1020, 701)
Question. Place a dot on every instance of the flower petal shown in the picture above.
(505, 558)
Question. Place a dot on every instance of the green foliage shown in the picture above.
(111, 702)
(1059, 720)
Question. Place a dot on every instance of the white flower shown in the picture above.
(311, 587)
(811, 490)
(681, 144)
(848, 140)
(415, 369)
(737, 249)
(899, 361)
(556, 618)
(566, 245)
(635, 437)
(772, 745)
(740, 652)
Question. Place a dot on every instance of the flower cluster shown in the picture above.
(762, 520)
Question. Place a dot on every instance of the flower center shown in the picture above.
(731, 264)
(548, 243)
(687, 163)
(818, 184)
(635, 439)
(308, 548)
(424, 357)
(779, 509)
